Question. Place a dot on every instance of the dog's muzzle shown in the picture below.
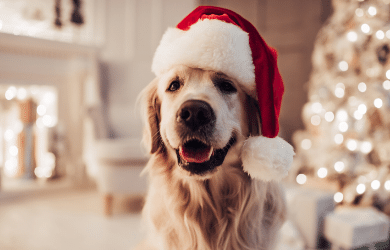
(196, 123)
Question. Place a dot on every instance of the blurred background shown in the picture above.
(70, 155)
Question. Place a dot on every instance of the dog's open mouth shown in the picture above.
(200, 158)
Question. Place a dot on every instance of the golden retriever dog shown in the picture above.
(211, 124)
(212, 204)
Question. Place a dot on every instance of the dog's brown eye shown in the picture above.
(175, 85)
(226, 87)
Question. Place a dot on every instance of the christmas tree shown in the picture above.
(346, 143)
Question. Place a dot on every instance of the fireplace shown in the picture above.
(45, 87)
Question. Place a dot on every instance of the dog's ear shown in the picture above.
(253, 114)
(150, 113)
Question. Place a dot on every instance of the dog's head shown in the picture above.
(198, 117)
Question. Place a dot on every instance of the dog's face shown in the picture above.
(202, 118)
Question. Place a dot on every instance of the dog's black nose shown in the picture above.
(196, 114)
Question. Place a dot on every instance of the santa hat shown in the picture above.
(219, 39)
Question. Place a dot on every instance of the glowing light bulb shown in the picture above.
(306, 144)
(352, 36)
(21, 94)
(343, 126)
(380, 34)
(375, 184)
(339, 166)
(41, 110)
(365, 28)
(388, 74)
(372, 11)
(10, 93)
(362, 87)
(362, 108)
(316, 107)
(366, 147)
(340, 89)
(338, 197)
(342, 115)
(339, 92)
(388, 34)
(361, 188)
(13, 150)
(322, 172)
(9, 135)
(343, 66)
(352, 145)
(357, 115)
(301, 179)
(315, 120)
(359, 12)
(387, 185)
(329, 116)
(386, 85)
(378, 103)
(338, 139)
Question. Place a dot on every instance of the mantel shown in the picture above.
(71, 68)
(35, 46)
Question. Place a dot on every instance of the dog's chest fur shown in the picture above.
(228, 211)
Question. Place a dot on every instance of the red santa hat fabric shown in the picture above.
(219, 39)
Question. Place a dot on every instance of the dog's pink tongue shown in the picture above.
(198, 155)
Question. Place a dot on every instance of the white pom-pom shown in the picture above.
(267, 159)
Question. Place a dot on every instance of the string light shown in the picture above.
(375, 184)
(372, 10)
(315, 120)
(352, 36)
(378, 103)
(13, 150)
(9, 135)
(10, 93)
(340, 89)
(316, 107)
(339, 92)
(343, 126)
(301, 179)
(306, 144)
(366, 147)
(338, 139)
(387, 185)
(338, 197)
(388, 74)
(357, 115)
(362, 108)
(362, 87)
(352, 144)
(388, 34)
(342, 115)
(329, 116)
(386, 85)
(21, 94)
(343, 66)
(361, 188)
(380, 34)
(322, 172)
(365, 28)
(359, 12)
(339, 166)
(41, 110)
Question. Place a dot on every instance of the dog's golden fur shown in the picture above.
(225, 209)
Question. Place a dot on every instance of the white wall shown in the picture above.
(133, 31)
